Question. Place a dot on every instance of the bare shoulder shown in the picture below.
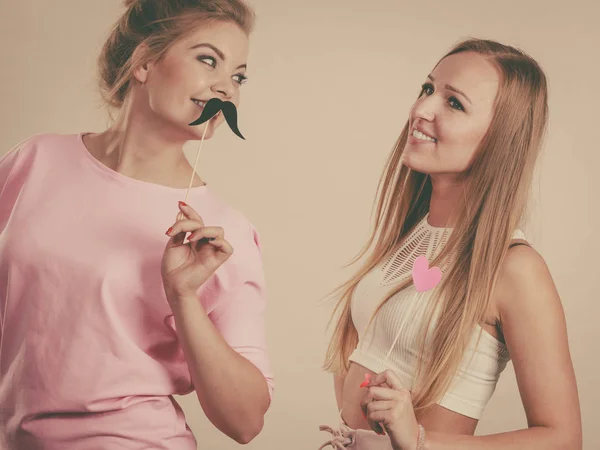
(524, 283)
(523, 265)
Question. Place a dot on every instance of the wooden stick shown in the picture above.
(180, 216)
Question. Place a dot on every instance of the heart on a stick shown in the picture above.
(425, 278)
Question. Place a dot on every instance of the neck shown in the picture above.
(142, 147)
(446, 195)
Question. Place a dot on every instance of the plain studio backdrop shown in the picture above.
(331, 84)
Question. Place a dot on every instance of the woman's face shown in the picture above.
(452, 115)
(210, 62)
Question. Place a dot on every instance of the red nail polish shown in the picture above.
(169, 231)
(367, 380)
(190, 236)
(183, 203)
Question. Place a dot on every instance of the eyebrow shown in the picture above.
(217, 51)
(452, 88)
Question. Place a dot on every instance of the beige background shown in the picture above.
(331, 85)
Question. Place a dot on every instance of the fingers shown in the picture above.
(209, 233)
(370, 396)
(379, 414)
(197, 228)
(367, 398)
(176, 239)
(383, 405)
(192, 223)
(380, 418)
(379, 402)
(367, 404)
(383, 393)
(184, 226)
(388, 377)
(189, 212)
(222, 245)
(376, 427)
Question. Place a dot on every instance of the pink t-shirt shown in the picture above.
(89, 354)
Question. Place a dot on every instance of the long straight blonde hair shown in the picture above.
(496, 191)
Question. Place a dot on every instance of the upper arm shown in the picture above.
(240, 314)
(534, 328)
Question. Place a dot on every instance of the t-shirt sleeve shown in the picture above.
(14, 168)
(240, 318)
(7, 162)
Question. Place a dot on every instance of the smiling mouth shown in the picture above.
(422, 136)
(200, 103)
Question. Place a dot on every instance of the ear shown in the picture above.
(140, 73)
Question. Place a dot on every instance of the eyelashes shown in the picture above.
(242, 79)
(426, 87)
(454, 103)
(203, 59)
(239, 78)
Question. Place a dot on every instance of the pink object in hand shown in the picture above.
(424, 277)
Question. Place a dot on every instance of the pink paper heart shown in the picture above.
(424, 277)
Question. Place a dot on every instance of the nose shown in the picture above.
(424, 109)
(224, 88)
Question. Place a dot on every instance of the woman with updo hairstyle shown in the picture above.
(104, 318)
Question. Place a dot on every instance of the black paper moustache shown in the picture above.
(212, 107)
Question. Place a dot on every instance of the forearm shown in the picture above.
(232, 391)
(534, 438)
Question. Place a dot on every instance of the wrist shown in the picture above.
(183, 302)
(188, 311)
(176, 297)
(185, 299)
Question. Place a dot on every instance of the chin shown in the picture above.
(414, 168)
(198, 130)
(416, 163)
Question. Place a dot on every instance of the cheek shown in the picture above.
(163, 89)
(174, 86)
(185, 77)
(235, 99)
(463, 137)
(457, 143)
(167, 73)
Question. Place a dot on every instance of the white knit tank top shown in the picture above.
(391, 340)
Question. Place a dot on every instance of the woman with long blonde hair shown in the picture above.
(451, 290)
